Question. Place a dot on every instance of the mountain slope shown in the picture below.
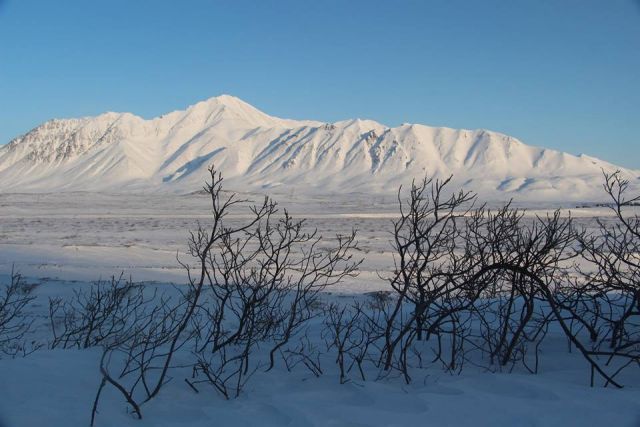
(255, 151)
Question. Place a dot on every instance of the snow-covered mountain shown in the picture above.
(255, 151)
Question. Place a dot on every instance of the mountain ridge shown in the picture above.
(256, 151)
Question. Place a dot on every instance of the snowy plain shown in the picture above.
(63, 241)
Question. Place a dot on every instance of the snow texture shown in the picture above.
(56, 388)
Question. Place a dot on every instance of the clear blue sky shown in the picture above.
(563, 74)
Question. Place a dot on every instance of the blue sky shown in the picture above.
(563, 74)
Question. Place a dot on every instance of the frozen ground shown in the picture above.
(65, 241)
(85, 236)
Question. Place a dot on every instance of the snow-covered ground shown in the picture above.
(64, 241)
(85, 236)
(57, 388)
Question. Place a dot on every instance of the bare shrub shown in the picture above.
(607, 306)
(475, 279)
(253, 283)
(258, 283)
(524, 261)
(15, 324)
(425, 239)
(94, 315)
(346, 333)
(133, 325)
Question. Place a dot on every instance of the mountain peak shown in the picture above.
(230, 108)
(224, 100)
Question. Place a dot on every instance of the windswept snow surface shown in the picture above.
(56, 388)
(257, 152)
